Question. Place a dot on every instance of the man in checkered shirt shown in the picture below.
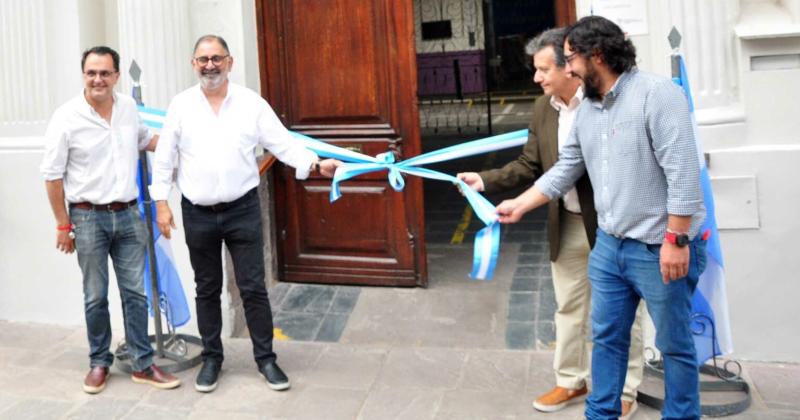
(633, 135)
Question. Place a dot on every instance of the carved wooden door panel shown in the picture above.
(344, 71)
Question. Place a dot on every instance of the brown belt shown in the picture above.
(115, 206)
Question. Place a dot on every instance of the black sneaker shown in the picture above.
(207, 377)
(276, 379)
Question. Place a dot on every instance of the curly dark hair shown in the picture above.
(598, 35)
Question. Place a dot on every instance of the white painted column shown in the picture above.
(24, 96)
(157, 35)
(709, 49)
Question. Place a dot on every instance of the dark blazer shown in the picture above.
(539, 155)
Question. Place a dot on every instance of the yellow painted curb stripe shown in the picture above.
(458, 235)
(277, 334)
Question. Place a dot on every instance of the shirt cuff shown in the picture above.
(304, 169)
(52, 175)
(159, 192)
(546, 188)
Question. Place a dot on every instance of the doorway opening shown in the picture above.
(474, 80)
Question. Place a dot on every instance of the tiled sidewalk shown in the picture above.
(43, 367)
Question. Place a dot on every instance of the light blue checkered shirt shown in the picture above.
(639, 148)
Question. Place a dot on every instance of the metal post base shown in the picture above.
(724, 381)
(181, 352)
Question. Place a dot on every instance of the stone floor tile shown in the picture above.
(154, 412)
(277, 293)
(336, 367)
(480, 405)
(495, 370)
(101, 408)
(520, 335)
(332, 327)
(7, 400)
(245, 392)
(182, 396)
(217, 415)
(307, 298)
(545, 335)
(778, 386)
(524, 284)
(522, 306)
(316, 403)
(36, 409)
(345, 299)
(423, 368)
(546, 306)
(401, 404)
(540, 373)
(71, 358)
(31, 336)
(298, 325)
(435, 318)
(298, 359)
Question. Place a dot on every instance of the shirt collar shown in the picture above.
(559, 105)
(87, 107)
(228, 95)
(616, 90)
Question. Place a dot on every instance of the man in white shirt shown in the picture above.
(90, 159)
(213, 129)
(572, 223)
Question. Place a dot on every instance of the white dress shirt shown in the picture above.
(96, 160)
(216, 153)
(566, 115)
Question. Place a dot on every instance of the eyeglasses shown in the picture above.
(104, 74)
(216, 59)
(569, 57)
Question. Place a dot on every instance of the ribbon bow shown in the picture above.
(487, 240)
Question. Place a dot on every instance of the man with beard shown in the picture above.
(90, 158)
(634, 137)
(572, 223)
(212, 130)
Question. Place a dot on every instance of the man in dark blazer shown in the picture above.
(571, 227)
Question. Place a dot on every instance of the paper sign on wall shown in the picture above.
(630, 15)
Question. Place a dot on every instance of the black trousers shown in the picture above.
(238, 224)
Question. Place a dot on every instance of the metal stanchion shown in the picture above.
(175, 352)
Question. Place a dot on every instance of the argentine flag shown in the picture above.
(711, 324)
(172, 300)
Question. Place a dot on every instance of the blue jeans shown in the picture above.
(622, 271)
(123, 236)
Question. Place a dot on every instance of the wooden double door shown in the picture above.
(343, 71)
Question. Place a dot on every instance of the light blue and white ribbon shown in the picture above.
(487, 240)
(151, 117)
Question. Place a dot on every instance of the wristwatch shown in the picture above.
(675, 238)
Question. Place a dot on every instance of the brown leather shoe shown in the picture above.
(558, 398)
(95, 380)
(628, 408)
(156, 377)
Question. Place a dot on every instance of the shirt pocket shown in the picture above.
(626, 137)
(127, 140)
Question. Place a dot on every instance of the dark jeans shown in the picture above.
(238, 224)
(622, 271)
(123, 236)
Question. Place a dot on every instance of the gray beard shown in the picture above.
(211, 81)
